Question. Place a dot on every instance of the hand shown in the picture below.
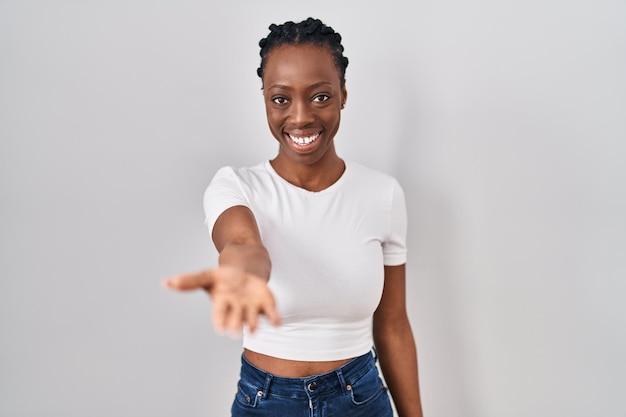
(238, 297)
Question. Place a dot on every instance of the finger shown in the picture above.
(234, 320)
(269, 309)
(190, 281)
(273, 316)
(219, 315)
(251, 317)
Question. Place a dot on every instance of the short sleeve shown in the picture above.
(394, 246)
(224, 191)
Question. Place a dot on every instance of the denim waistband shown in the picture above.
(339, 379)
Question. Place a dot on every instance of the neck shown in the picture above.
(312, 177)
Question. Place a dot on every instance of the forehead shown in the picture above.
(301, 63)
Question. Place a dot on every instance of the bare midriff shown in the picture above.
(289, 368)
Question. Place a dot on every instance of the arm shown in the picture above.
(236, 237)
(238, 286)
(395, 345)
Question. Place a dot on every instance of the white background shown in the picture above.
(504, 121)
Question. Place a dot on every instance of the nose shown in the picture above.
(301, 113)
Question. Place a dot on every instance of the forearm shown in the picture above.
(248, 257)
(398, 361)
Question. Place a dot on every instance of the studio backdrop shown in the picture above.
(503, 121)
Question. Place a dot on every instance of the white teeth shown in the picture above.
(305, 140)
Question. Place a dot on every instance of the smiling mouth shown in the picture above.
(303, 140)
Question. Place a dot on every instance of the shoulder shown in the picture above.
(230, 170)
(231, 186)
(243, 175)
(370, 178)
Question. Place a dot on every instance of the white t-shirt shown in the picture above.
(327, 248)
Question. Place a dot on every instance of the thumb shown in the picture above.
(190, 281)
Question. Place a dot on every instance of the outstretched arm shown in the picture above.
(395, 345)
(238, 286)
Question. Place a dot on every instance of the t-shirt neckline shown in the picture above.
(329, 189)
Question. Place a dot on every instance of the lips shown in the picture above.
(303, 140)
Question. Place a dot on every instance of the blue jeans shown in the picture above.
(353, 390)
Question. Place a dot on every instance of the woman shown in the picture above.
(311, 252)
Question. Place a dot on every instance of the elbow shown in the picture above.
(385, 327)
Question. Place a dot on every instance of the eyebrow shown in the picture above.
(311, 87)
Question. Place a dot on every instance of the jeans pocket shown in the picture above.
(367, 388)
(247, 395)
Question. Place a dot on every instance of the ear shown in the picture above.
(344, 96)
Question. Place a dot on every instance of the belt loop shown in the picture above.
(266, 385)
(342, 381)
(375, 353)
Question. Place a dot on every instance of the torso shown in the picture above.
(291, 369)
(326, 290)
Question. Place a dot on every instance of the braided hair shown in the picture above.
(309, 31)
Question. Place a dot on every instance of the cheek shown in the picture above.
(332, 115)
(274, 121)
(273, 118)
(270, 113)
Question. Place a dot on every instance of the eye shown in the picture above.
(321, 98)
(279, 100)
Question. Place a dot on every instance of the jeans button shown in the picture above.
(312, 386)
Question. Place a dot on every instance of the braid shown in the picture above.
(310, 31)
